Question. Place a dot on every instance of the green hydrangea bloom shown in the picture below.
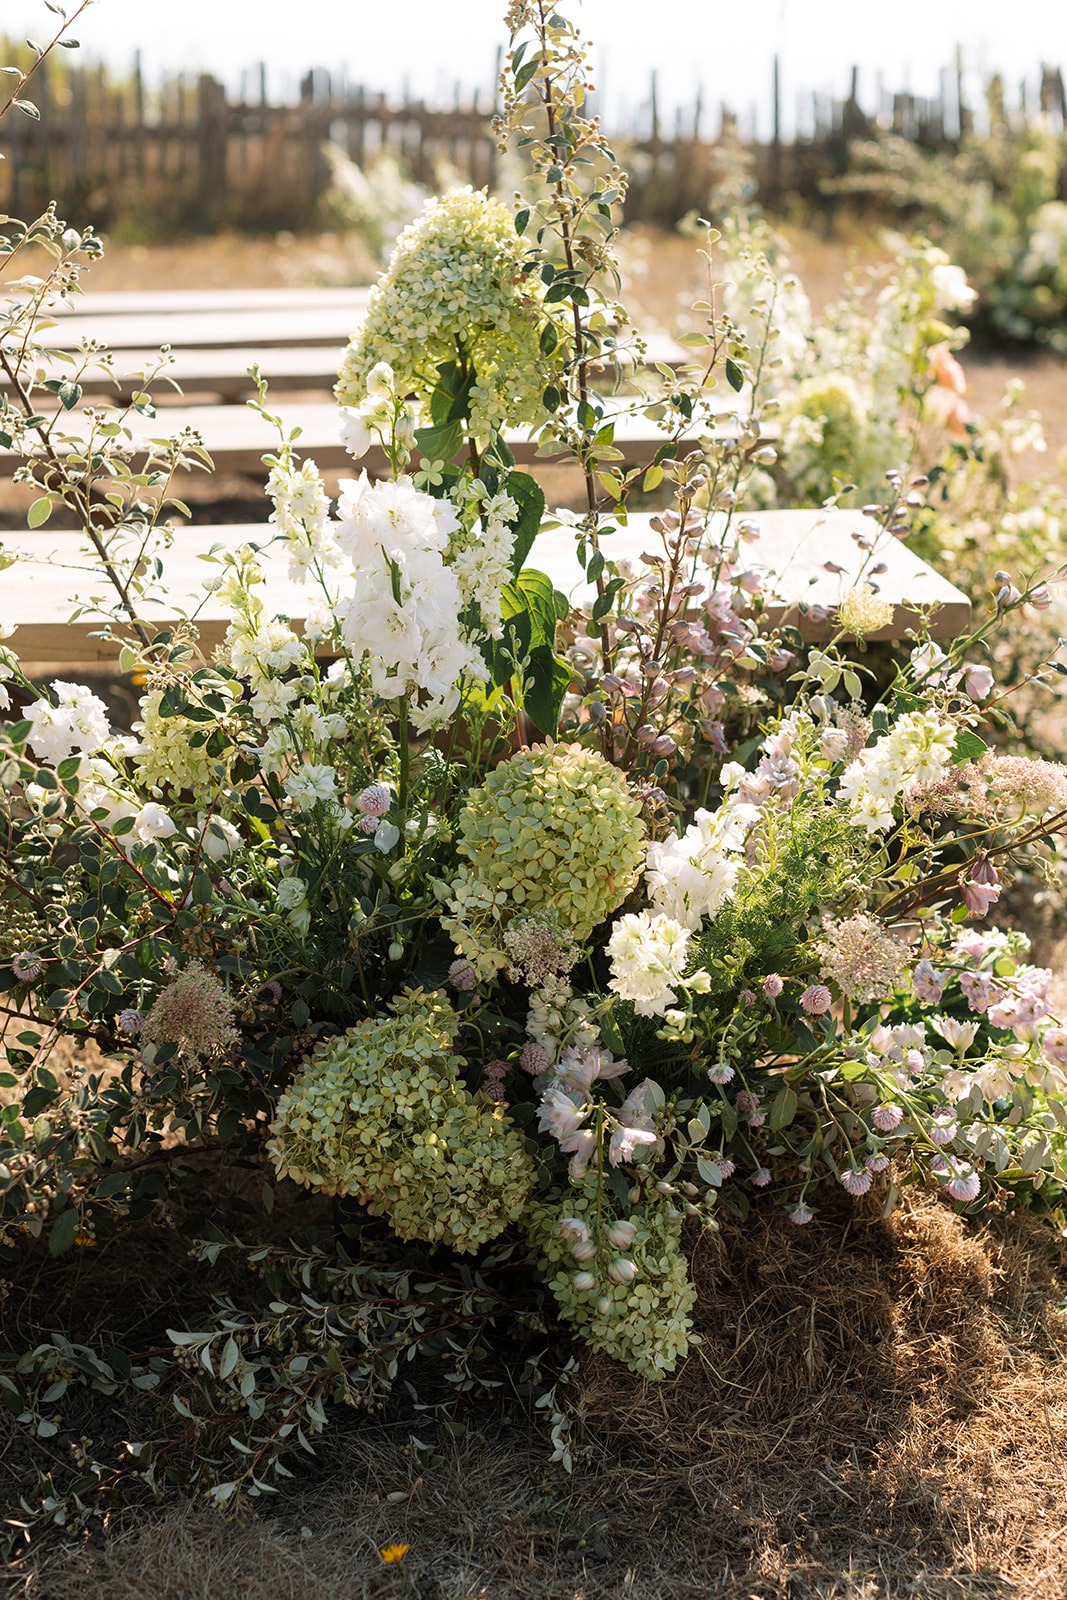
(826, 435)
(379, 1113)
(644, 1323)
(454, 291)
(167, 760)
(554, 830)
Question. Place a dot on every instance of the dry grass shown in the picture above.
(878, 1410)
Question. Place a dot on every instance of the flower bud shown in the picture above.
(622, 1270)
(584, 1282)
(621, 1235)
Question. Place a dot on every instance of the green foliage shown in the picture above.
(809, 859)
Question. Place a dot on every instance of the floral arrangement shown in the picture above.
(524, 929)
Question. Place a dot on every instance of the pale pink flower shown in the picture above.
(816, 1000)
(964, 1186)
(196, 1014)
(887, 1118)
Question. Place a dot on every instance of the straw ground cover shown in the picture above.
(878, 1409)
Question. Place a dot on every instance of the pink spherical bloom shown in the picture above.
(375, 800)
(816, 1000)
(876, 1163)
(887, 1118)
(130, 1021)
(857, 1180)
(720, 1073)
(462, 976)
(801, 1214)
(943, 1132)
(772, 986)
(761, 1178)
(964, 1186)
(534, 1059)
(939, 1166)
(26, 966)
(747, 998)
(726, 1167)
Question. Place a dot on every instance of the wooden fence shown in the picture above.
(188, 155)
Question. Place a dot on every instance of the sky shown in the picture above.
(724, 50)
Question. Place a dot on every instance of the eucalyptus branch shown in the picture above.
(42, 55)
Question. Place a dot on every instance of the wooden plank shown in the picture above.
(238, 437)
(56, 572)
(205, 318)
(202, 330)
(797, 553)
(223, 370)
(179, 302)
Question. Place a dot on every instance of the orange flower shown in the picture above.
(394, 1552)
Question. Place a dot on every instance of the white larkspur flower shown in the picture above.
(152, 822)
(647, 958)
(960, 1035)
(309, 785)
(76, 725)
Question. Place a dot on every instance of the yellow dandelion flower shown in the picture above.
(394, 1552)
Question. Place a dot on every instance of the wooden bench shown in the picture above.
(795, 551)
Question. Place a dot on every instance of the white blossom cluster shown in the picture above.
(481, 558)
(916, 750)
(75, 725)
(690, 877)
(648, 955)
(403, 612)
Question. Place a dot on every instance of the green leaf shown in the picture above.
(530, 499)
(39, 512)
(441, 442)
(61, 1238)
(450, 401)
(968, 747)
(526, 72)
(548, 678)
(734, 376)
(229, 1358)
(522, 219)
(783, 1108)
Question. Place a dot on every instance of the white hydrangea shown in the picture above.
(76, 725)
(647, 957)
(456, 282)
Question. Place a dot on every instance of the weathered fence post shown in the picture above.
(211, 133)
